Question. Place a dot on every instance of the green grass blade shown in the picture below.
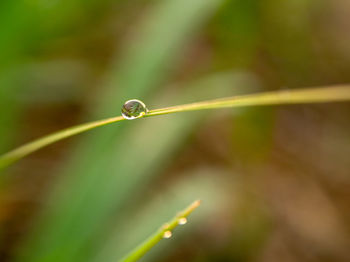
(128, 230)
(144, 247)
(22, 151)
(310, 95)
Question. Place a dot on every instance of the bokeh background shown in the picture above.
(274, 181)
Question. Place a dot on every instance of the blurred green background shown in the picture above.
(274, 181)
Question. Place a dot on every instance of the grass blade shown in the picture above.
(129, 230)
(299, 96)
(31, 147)
(144, 247)
(309, 95)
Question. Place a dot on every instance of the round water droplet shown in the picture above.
(182, 220)
(133, 109)
(167, 234)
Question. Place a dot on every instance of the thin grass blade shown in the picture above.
(164, 230)
(22, 151)
(301, 96)
(298, 96)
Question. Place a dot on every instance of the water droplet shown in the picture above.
(133, 109)
(182, 220)
(167, 234)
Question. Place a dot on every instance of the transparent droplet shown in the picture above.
(133, 109)
(182, 220)
(167, 234)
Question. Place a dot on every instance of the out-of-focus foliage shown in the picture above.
(274, 181)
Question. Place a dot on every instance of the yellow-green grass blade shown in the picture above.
(296, 96)
(310, 95)
(31, 147)
(143, 219)
(167, 228)
(92, 183)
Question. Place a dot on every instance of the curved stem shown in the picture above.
(298, 96)
(26, 149)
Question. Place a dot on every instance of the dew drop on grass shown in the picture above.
(167, 234)
(182, 220)
(133, 109)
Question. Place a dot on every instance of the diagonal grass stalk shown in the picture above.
(26, 149)
(298, 96)
(162, 232)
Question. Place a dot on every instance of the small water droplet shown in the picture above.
(182, 220)
(167, 234)
(133, 109)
